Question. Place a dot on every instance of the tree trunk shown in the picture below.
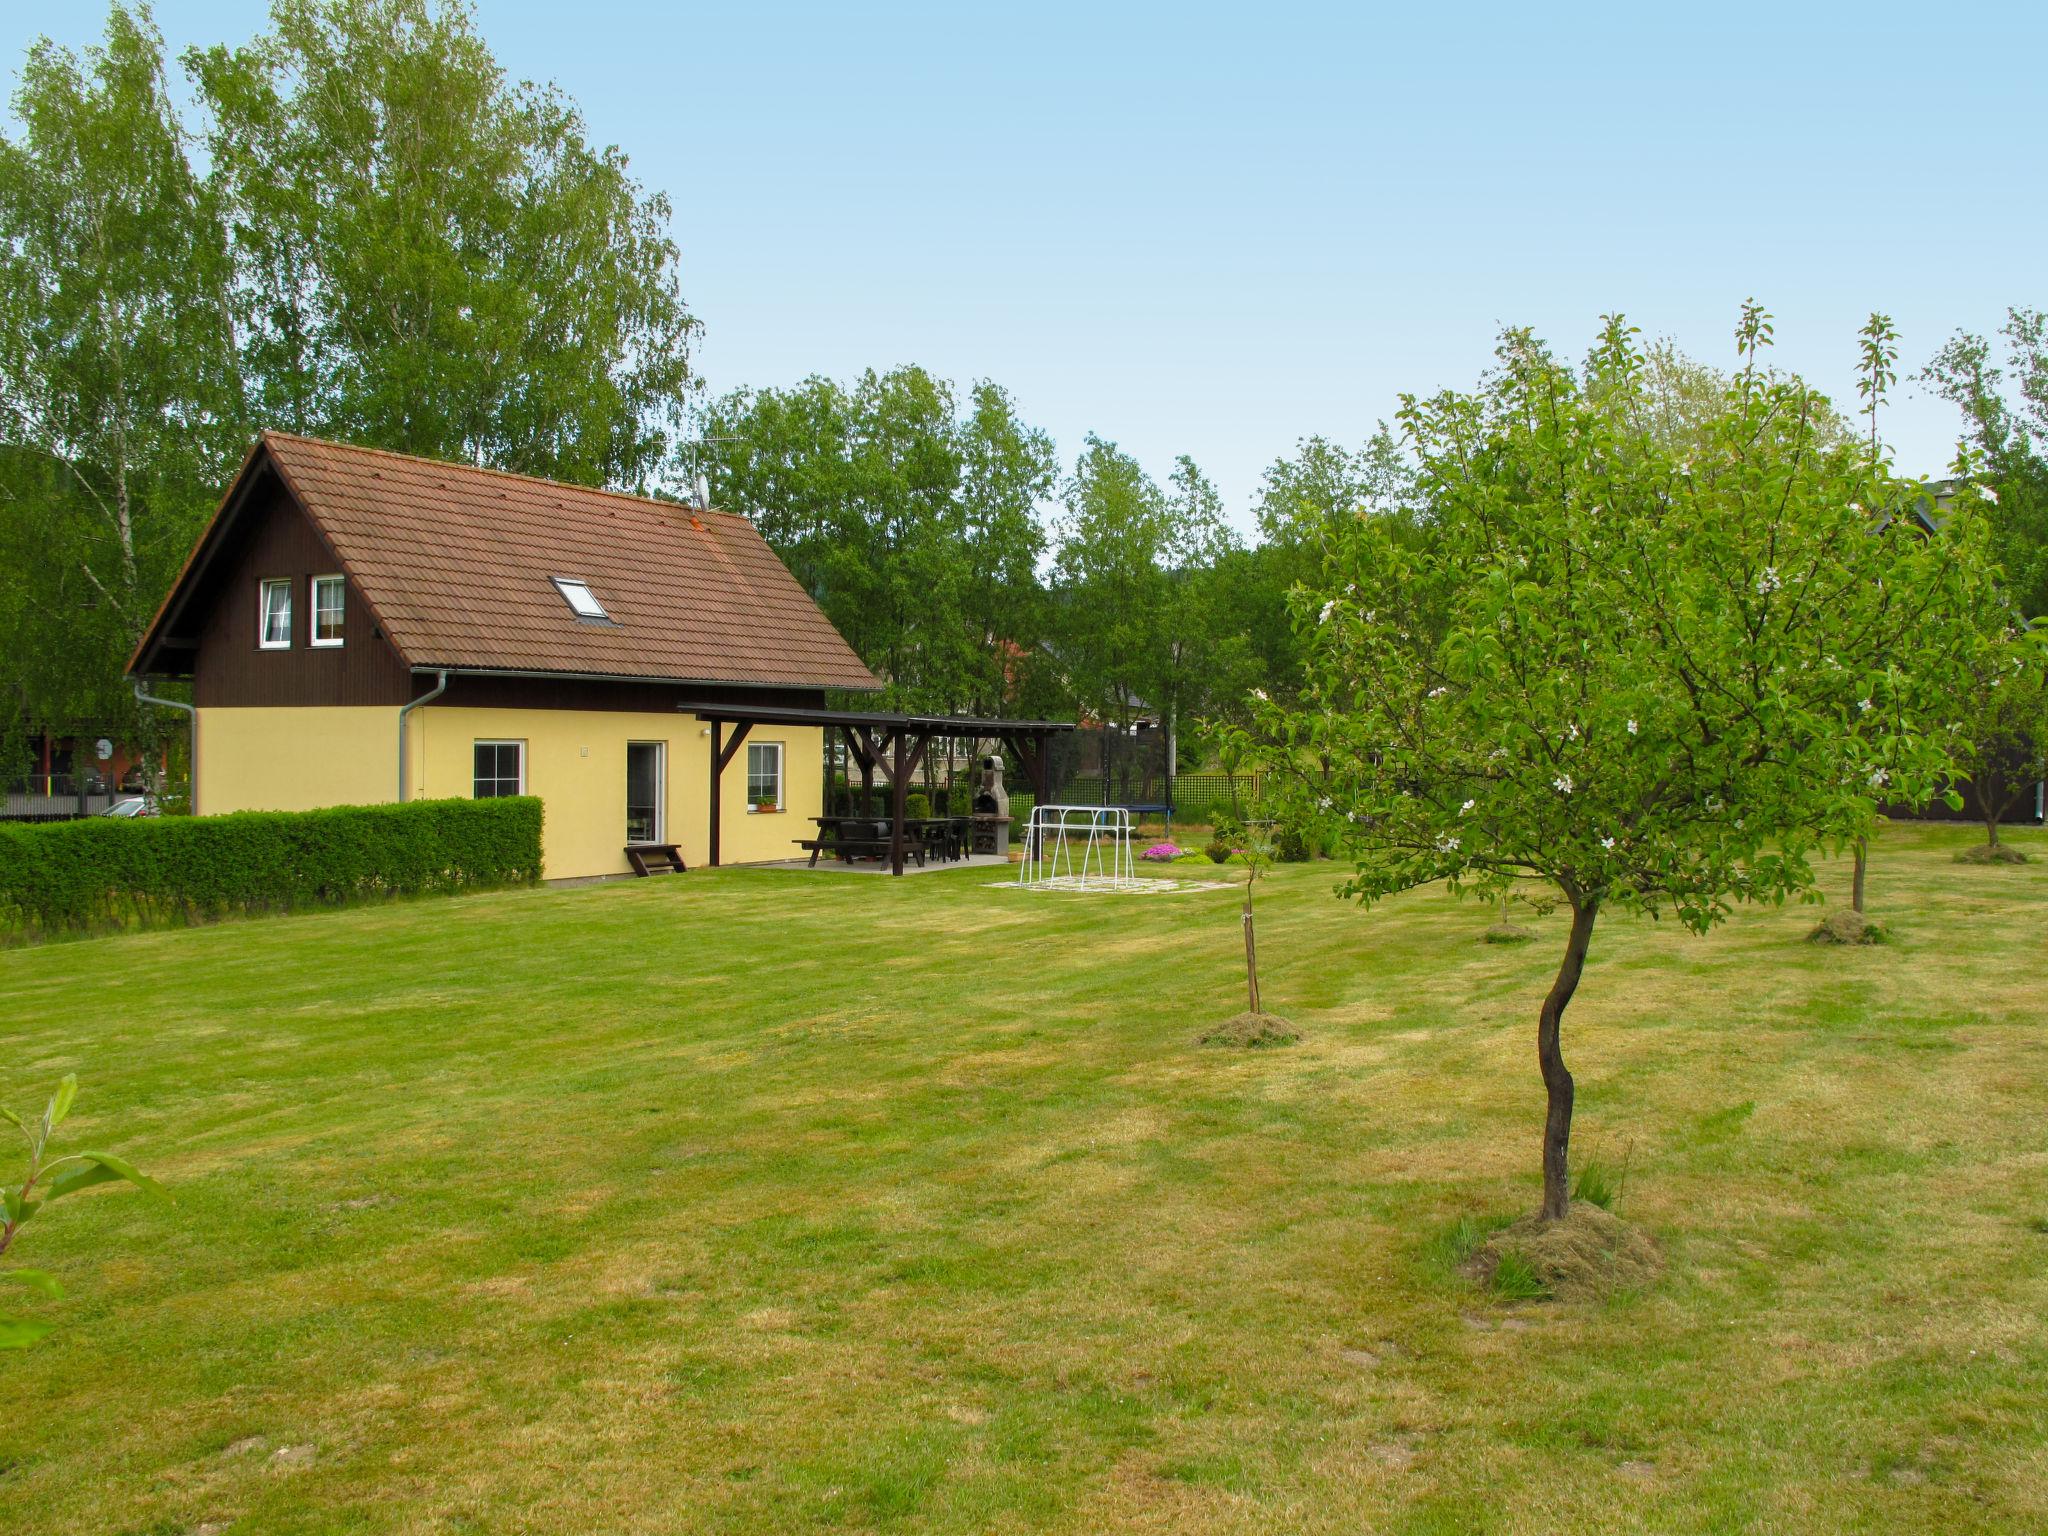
(1251, 951)
(1862, 865)
(1557, 1124)
(1991, 828)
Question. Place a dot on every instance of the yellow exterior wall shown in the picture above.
(304, 758)
(576, 763)
(296, 759)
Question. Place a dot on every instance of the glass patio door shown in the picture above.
(644, 779)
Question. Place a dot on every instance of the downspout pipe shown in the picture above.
(440, 687)
(144, 696)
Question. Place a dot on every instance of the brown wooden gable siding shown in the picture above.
(277, 539)
(603, 694)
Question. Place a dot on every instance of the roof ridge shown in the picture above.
(679, 507)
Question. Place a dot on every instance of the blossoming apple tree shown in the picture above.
(1655, 678)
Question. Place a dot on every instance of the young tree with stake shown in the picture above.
(1655, 683)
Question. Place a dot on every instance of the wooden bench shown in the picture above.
(876, 847)
(660, 856)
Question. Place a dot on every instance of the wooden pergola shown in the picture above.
(893, 744)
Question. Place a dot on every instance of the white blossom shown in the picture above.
(1863, 706)
(1562, 783)
(1879, 777)
(1607, 842)
(1631, 727)
(1328, 608)
(1466, 808)
(1325, 803)
(1988, 494)
(1768, 583)
(1260, 695)
(1447, 844)
(1571, 732)
(1437, 693)
(1855, 506)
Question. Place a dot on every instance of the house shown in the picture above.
(79, 771)
(361, 626)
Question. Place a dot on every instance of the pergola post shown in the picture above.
(896, 775)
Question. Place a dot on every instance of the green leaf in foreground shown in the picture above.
(20, 1332)
(60, 1102)
(90, 1168)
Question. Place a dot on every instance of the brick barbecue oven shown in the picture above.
(990, 824)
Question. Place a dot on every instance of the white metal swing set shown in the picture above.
(1080, 848)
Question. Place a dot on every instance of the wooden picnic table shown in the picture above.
(916, 830)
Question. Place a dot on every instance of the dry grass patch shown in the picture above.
(1588, 1255)
(1251, 1032)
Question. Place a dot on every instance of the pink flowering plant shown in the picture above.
(1654, 668)
(1161, 853)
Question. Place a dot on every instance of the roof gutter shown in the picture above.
(439, 688)
(144, 696)
(630, 677)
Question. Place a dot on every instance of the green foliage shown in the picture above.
(380, 238)
(2001, 722)
(432, 259)
(2005, 413)
(43, 1182)
(1657, 676)
(1218, 851)
(120, 406)
(1656, 682)
(1292, 843)
(910, 516)
(1141, 623)
(917, 805)
(103, 872)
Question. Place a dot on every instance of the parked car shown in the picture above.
(134, 805)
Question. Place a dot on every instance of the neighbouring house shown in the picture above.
(361, 626)
(79, 771)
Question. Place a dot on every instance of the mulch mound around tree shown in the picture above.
(1252, 1032)
(1506, 933)
(1590, 1254)
(1989, 853)
(1847, 926)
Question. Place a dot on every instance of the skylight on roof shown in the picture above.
(578, 596)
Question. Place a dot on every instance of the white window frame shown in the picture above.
(497, 741)
(576, 593)
(781, 783)
(340, 636)
(264, 588)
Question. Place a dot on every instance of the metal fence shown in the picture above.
(1196, 796)
(26, 805)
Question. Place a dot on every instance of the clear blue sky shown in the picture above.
(1209, 230)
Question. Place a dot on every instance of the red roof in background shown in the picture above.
(458, 565)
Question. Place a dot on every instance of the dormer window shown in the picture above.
(582, 602)
(274, 614)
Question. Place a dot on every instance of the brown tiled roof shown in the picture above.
(457, 563)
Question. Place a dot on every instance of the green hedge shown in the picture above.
(105, 872)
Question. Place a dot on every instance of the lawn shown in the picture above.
(757, 1202)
